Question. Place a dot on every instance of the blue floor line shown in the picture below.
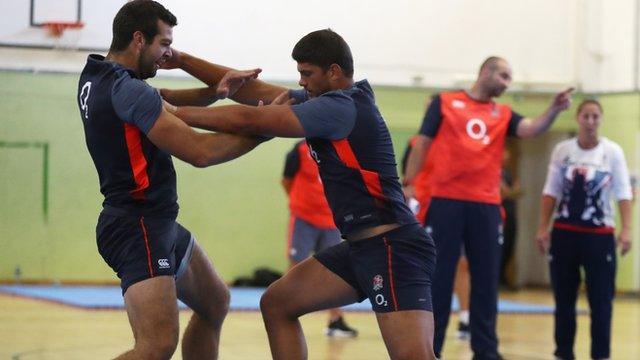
(242, 299)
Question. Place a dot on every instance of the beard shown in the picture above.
(146, 67)
(498, 91)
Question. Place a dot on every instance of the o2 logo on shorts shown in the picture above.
(380, 300)
(84, 96)
(477, 130)
(377, 283)
(163, 263)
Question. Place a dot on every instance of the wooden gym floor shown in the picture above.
(33, 329)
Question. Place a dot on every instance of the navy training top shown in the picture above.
(117, 111)
(350, 141)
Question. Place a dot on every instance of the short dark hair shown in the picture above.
(490, 62)
(324, 48)
(586, 102)
(139, 15)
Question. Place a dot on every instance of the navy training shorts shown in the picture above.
(138, 248)
(393, 269)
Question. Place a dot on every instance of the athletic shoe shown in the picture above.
(338, 328)
(464, 333)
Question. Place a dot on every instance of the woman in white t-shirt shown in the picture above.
(586, 174)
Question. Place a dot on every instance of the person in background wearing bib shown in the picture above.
(585, 175)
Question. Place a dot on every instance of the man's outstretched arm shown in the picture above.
(199, 149)
(228, 85)
(273, 120)
(190, 97)
(330, 117)
(250, 93)
(530, 127)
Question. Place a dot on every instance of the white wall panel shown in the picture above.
(550, 43)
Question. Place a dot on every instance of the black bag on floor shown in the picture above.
(262, 277)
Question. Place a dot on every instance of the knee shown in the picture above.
(164, 350)
(221, 307)
(222, 302)
(268, 303)
(159, 348)
(217, 309)
(272, 303)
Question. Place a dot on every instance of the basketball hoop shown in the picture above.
(56, 29)
(64, 35)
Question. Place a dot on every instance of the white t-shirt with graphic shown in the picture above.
(585, 182)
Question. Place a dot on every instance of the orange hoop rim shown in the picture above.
(57, 28)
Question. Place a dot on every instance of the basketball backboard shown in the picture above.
(25, 23)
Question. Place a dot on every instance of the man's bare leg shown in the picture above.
(408, 335)
(334, 313)
(205, 293)
(307, 287)
(153, 314)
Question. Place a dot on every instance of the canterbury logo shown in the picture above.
(458, 104)
(164, 263)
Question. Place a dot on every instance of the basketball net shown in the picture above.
(66, 35)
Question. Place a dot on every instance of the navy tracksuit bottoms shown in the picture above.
(477, 226)
(596, 254)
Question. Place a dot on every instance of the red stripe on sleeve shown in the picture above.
(137, 160)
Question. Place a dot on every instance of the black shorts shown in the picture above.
(138, 248)
(393, 269)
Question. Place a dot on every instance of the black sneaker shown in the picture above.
(464, 332)
(338, 328)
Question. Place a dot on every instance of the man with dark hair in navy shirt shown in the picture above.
(387, 257)
(131, 138)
